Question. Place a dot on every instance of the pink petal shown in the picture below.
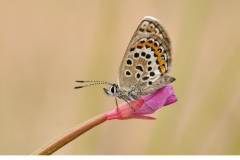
(162, 97)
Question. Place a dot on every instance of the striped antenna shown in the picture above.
(92, 83)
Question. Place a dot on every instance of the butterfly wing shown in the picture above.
(147, 58)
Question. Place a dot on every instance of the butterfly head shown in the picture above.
(112, 91)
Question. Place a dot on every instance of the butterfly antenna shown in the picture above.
(94, 83)
(104, 82)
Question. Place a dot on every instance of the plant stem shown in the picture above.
(71, 135)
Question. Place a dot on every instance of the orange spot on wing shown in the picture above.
(162, 69)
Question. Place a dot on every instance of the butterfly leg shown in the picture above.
(149, 106)
(127, 103)
(137, 97)
(131, 106)
(116, 103)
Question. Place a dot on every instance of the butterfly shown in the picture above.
(145, 64)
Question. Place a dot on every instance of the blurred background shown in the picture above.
(46, 45)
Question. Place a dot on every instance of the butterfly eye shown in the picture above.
(113, 89)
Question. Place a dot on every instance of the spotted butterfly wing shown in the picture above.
(147, 59)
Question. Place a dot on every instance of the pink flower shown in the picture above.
(162, 97)
(156, 100)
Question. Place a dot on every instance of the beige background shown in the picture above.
(46, 45)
